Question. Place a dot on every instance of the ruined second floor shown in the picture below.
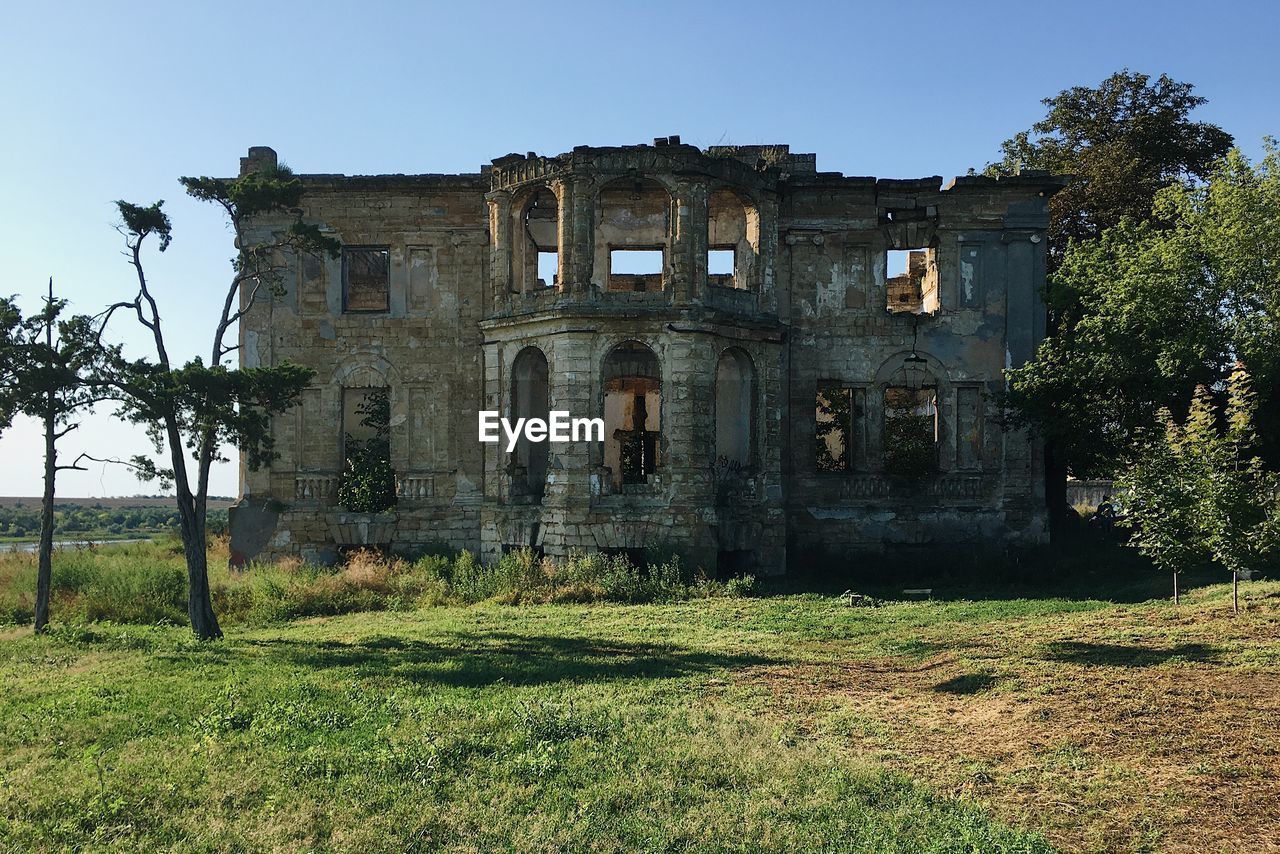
(746, 232)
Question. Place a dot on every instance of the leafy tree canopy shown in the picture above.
(1122, 142)
(1150, 313)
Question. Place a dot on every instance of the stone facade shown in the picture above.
(731, 314)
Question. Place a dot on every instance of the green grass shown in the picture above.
(549, 718)
(145, 582)
(477, 728)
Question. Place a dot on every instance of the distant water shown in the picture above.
(68, 544)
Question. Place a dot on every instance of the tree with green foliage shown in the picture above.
(51, 372)
(1195, 492)
(197, 408)
(1122, 142)
(1157, 311)
(368, 483)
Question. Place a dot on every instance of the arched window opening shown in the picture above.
(735, 381)
(911, 421)
(530, 398)
(633, 235)
(539, 261)
(733, 240)
(632, 414)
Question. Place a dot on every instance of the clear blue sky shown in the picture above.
(105, 101)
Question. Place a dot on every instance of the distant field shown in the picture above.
(100, 518)
(218, 503)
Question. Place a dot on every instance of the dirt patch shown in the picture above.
(1107, 741)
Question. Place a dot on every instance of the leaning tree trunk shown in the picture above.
(44, 573)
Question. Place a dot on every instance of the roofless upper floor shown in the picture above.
(670, 223)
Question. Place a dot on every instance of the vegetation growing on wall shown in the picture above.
(368, 481)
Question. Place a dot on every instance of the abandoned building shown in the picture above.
(789, 363)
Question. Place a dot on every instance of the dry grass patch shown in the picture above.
(1130, 728)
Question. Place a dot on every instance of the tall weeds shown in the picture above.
(146, 583)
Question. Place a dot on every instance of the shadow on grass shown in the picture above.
(969, 683)
(1077, 569)
(1119, 655)
(492, 657)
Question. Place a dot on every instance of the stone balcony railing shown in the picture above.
(322, 487)
(954, 486)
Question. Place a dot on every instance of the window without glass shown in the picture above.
(366, 279)
(911, 430)
(632, 234)
(368, 483)
(638, 270)
(969, 427)
(911, 281)
(840, 440)
(548, 269)
(733, 240)
(720, 267)
(536, 257)
(632, 409)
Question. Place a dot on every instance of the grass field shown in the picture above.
(777, 722)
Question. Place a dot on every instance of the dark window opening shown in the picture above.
(639, 558)
(530, 398)
(366, 279)
(969, 427)
(911, 430)
(733, 563)
(635, 270)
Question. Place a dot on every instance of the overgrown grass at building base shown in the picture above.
(146, 583)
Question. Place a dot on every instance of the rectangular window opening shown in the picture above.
(720, 267)
(833, 427)
(548, 268)
(638, 270)
(911, 431)
(366, 279)
(911, 281)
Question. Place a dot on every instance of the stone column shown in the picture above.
(688, 243)
(499, 246)
(766, 258)
(567, 501)
(580, 207)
